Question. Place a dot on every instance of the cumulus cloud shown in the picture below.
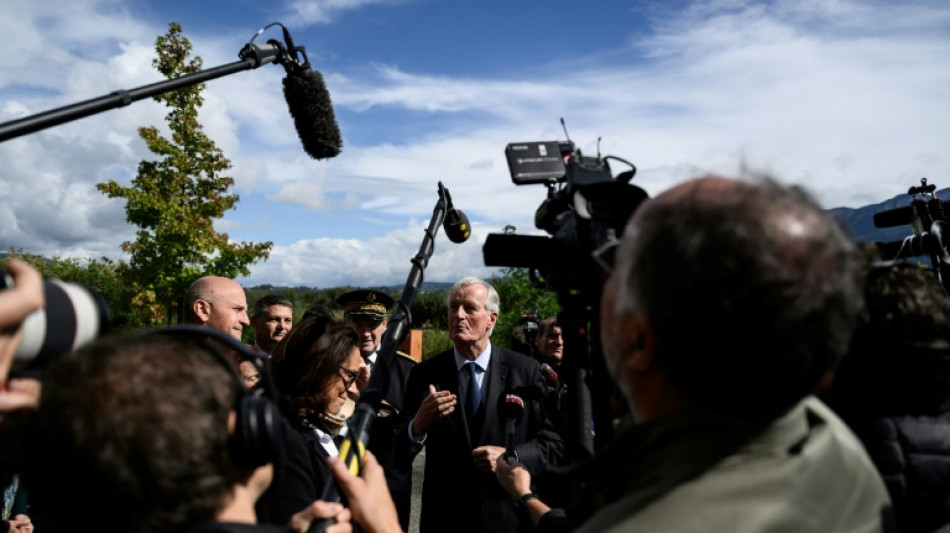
(383, 260)
(325, 11)
(845, 97)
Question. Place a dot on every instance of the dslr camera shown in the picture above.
(73, 316)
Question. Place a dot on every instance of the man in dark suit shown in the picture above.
(460, 491)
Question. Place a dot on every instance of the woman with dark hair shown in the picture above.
(893, 389)
(314, 369)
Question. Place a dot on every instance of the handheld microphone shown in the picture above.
(549, 374)
(513, 410)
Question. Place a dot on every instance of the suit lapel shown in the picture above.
(318, 453)
(315, 446)
(497, 385)
(448, 379)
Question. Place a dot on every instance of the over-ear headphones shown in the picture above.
(258, 438)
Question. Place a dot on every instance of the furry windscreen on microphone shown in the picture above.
(309, 102)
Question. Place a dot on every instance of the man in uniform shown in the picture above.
(368, 311)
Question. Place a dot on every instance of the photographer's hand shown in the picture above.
(300, 522)
(512, 476)
(368, 495)
(19, 393)
(16, 303)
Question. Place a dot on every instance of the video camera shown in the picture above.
(529, 323)
(586, 209)
(930, 224)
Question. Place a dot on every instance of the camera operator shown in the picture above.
(549, 343)
(762, 267)
(733, 441)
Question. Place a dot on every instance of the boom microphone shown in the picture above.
(456, 225)
(309, 102)
(513, 410)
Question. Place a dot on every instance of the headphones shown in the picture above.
(257, 438)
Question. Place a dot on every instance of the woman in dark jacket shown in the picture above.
(893, 389)
(315, 369)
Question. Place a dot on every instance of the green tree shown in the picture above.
(519, 296)
(100, 275)
(175, 199)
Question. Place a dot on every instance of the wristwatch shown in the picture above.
(525, 498)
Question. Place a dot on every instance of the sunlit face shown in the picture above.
(551, 346)
(228, 311)
(339, 389)
(371, 333)
(470, 322)
(272, 325)
(249, 374)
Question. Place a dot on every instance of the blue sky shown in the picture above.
(848, 98)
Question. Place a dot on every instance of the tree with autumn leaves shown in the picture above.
(175, 199)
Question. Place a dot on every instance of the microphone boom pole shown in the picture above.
(399, 323)
(252, 56)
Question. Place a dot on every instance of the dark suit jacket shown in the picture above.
(402, 365)
(391, 417)
(299, 481)
(456, 496)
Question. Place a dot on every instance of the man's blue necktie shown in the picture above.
(474, 392)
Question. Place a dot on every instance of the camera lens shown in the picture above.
(74, 315)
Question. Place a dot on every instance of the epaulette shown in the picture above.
(404, 354)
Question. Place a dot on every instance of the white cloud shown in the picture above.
(845, 97)
(325, 11)
(383, 260)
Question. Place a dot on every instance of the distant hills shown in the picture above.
(860, 221)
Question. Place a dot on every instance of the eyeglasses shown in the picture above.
(350, 378)
(605, 254)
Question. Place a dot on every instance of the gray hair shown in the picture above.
(492, 301)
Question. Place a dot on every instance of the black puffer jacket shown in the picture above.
(912, 454)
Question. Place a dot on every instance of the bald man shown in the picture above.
(218, 303)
